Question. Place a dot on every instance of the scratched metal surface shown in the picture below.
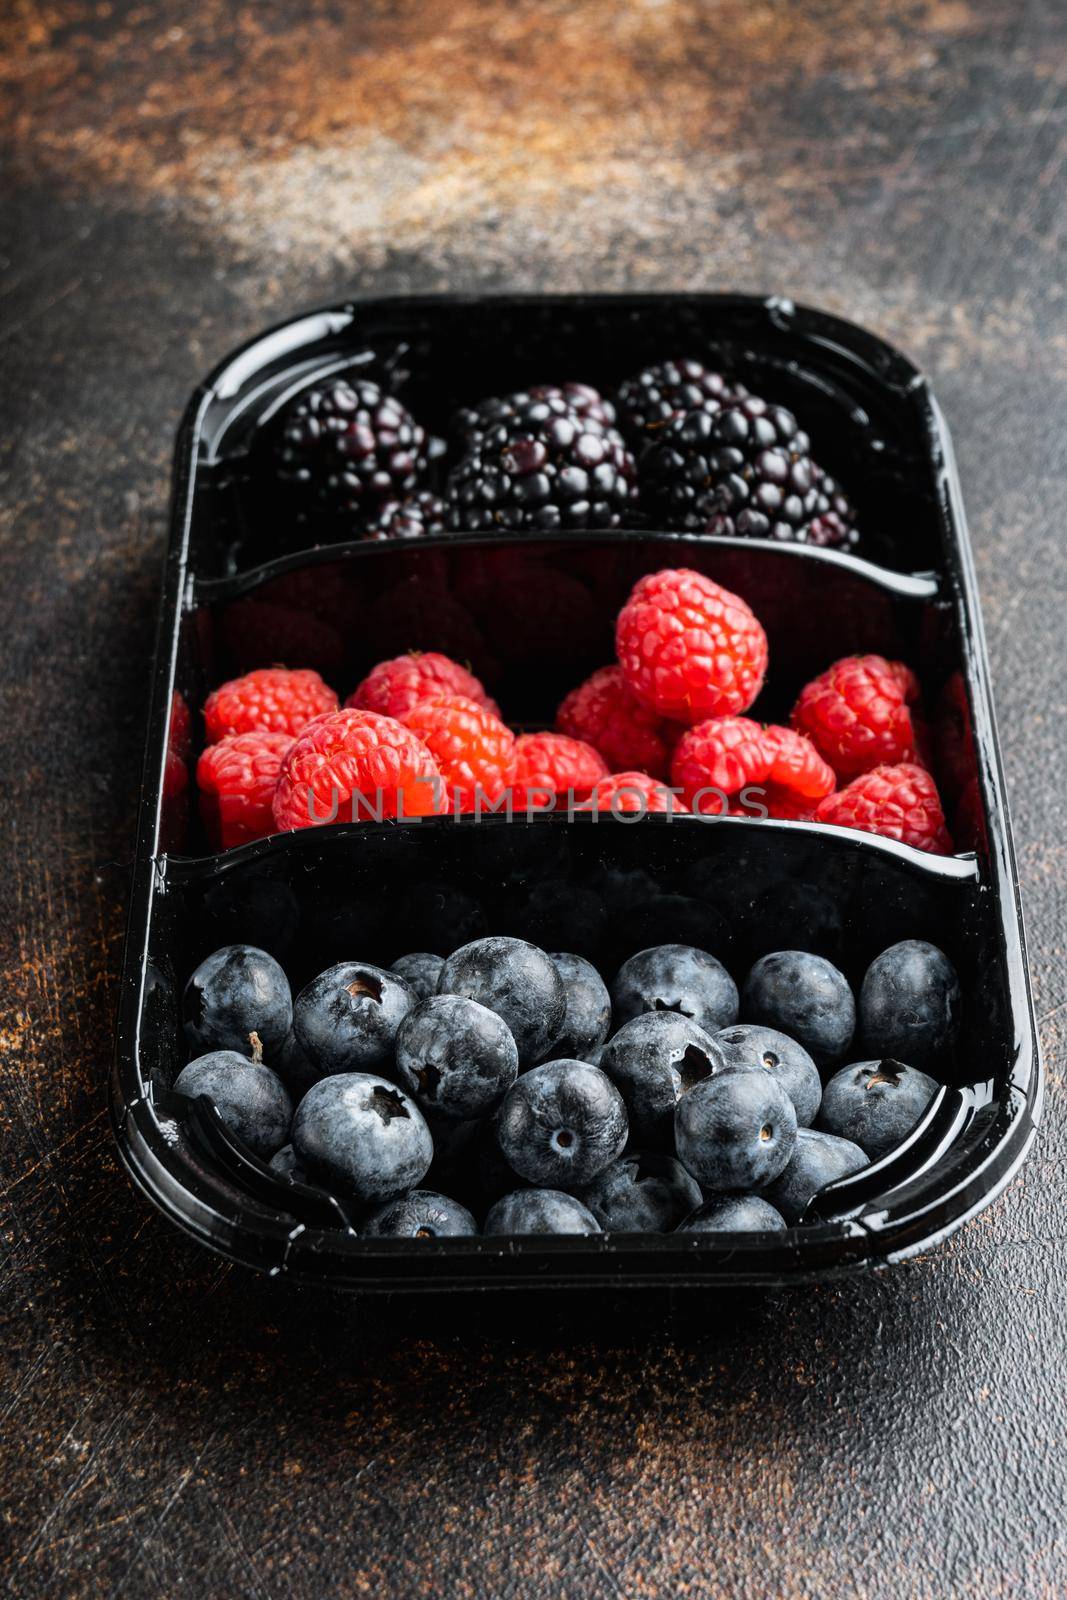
(177, 177)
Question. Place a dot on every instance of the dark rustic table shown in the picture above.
(179, 176)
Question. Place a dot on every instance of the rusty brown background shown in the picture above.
(178, 176)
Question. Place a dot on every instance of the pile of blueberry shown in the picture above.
(514, 1089)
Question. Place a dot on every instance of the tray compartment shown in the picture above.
(534, 617)
(374, 891)
(863, 404)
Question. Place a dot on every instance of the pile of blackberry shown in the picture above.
(744, 469)
(349, 447)
(659, 393)
(680, 446)
(541, 465)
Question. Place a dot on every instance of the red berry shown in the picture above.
(732, 764)
(900, 802)
(551, 764)
(180, 732)
(859, 714)
(394, 687)
(354, 766)
(474, 751)
(269, 700)
(602, 712)
(631, 792)
(688, 648)
(237, 778)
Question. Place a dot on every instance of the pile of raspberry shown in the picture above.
(662, 729)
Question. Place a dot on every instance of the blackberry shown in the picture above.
(658, 393)
(544, 467)
(350, 446)
(410, 518)
(746, 470)
(473, 422)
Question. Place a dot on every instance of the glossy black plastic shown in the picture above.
(246, 583)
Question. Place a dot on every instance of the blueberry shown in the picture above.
(517, 981)
(362, 1137)
(652, 1061)
(562, 1123)
(734, 1213)
(455, 1056)
(285, 1164)
(252, 1100)
(540, 1211)
(420, 1214)
(347, 1018)
(805, 997)
(818, 1159)
(641, 1194)
(875, 1104)
(234, 993)
(736, 1131)
(421, 969)
(910, 1003)
(747, 1047)
(675, 977)
(587, 1019)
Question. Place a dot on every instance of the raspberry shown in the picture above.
(393, 688)
(350, 765)
(474, 751)
(729, 756)
(551, 762)
(180, 732)
(688, 648)
(602, 712)
(237, 778)
(271, 700)
(630, 793)
(858, 714)
(899, 802)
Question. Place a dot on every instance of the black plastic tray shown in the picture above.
(247, 583)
